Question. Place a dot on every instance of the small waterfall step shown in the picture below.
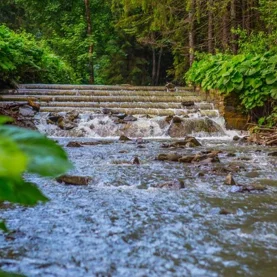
(119, 98)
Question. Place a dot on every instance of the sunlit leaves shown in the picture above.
(253, 77)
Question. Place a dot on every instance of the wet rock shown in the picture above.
(119, 121)
(35, 106)
(74, 180)
(194, 125)
(124, 138)
(92, 143)
(236, 138)
(74, 144)
(186, 159)
(273, 154)
(176, 120)
(130, 118)
(54, 117)
(210, 160)
(236, 167)
(66, 124)
(230, 180)
(140, 146)
(106, 111)
(268, 182)
(175, 184)
(173, 157)
(120, 115)
(244, 159)
(71, 116)
(201, 174)
(231, 155)
(123, 152)
(162, 157)
(187, 103)
(224, 212)
(91, 126)
(254, 187)
(26, 111)
(136, 161)
(193, 140)
(169, 118)
(252, 174)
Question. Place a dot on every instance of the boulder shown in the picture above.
(236, 138)
(230, 180)
(54, 117)
(136, 160)
(272, 154)
(130, 118)
(124, 138)
(65, 124)
(193, 140)
(71, 116)
(26, 111)
(120, 115)
(74, 180)
(176, 120)
(186, 159)
(106, 111)
(175, 184)
(35, 106)
(74, 144)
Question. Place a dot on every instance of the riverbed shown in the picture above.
(123, 224)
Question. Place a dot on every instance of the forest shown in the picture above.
(140, 42)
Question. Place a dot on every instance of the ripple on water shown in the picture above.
(121, 225)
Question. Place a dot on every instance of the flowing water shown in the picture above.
(123, 224)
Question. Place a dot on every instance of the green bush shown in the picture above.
(22, 59)
(252, 77)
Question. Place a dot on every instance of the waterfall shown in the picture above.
(111, 111)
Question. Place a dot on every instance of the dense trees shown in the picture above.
(141, 41)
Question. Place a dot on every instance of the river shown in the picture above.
(123, 225)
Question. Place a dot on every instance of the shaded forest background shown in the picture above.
(139, 42)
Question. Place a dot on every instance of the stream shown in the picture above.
(122, 224)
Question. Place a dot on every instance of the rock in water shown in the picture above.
(35, 106)
(130, 118)
(74, 180)
(176, 120)
(230, 180)
(136, 161)
(124, 138)
(175, 184)
(74, 144)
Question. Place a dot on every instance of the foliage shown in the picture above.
(252, 76)
(22, 59)
(25, 151)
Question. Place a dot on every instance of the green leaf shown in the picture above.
(45, 157)
(20, 191)
(271, 79)
(13, 162)
(5, 119)
(7, 274)
(3, 227)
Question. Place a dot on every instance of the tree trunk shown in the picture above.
(91, 46)
(159, 66)
(153, 65)
(233, 26)
(210, 27)
(191, 32)
(225, 30)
